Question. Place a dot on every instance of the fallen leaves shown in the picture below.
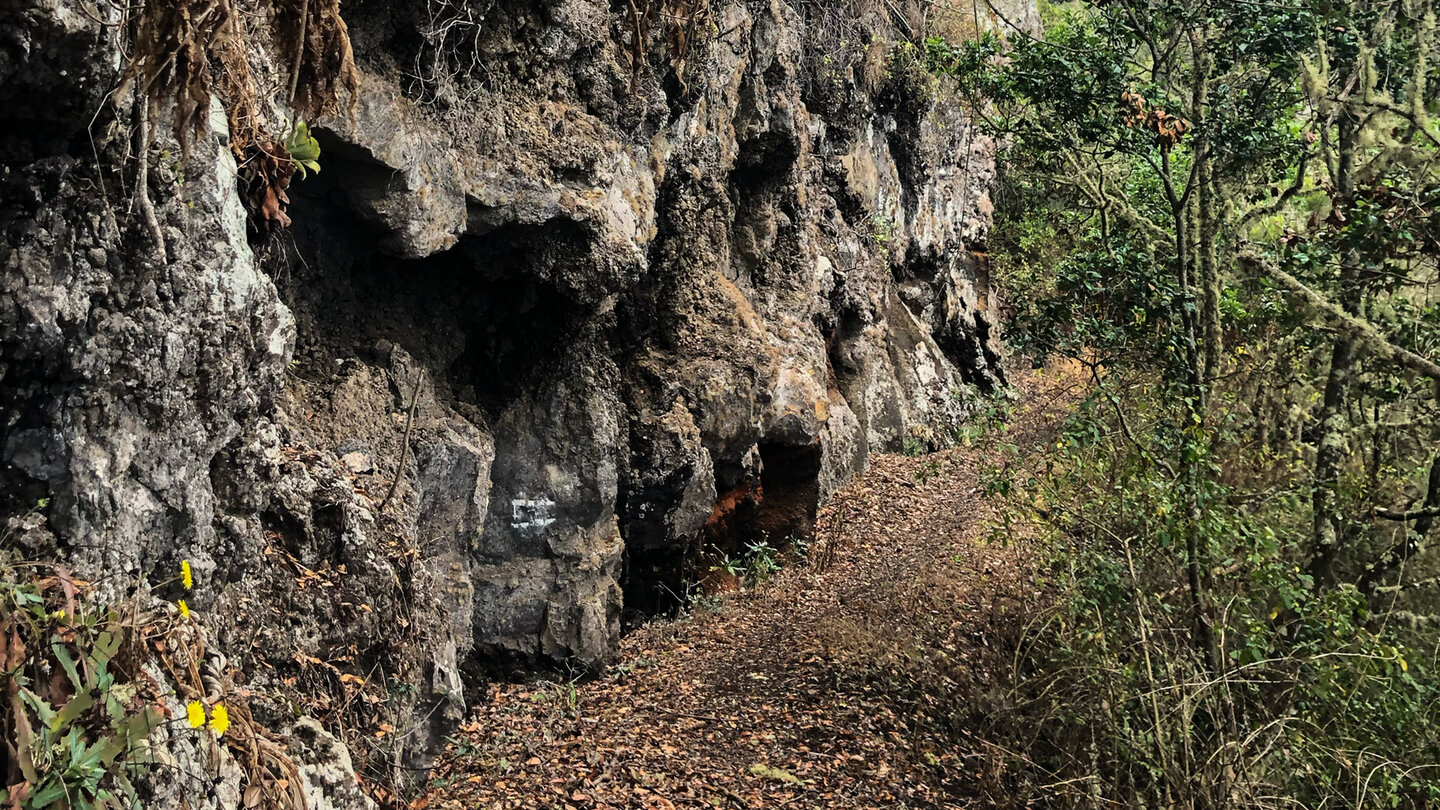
(798, 694)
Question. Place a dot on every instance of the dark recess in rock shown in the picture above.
(486, 328)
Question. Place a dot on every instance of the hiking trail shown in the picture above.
(799, 692)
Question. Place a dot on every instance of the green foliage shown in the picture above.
(734, 566)
(303, 149)
(79, 739)
(990, 419)
(882, 234)
(758, 565)
(702, 603)
(1324, 702)
(1182, 188)
(1116, 306)
(763, 562)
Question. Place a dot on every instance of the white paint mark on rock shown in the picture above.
(531, 513)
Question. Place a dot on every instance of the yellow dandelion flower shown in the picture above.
(195, 713)
(219, 719)
(186, 576)
(184, 608)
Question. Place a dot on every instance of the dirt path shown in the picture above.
(819, 689)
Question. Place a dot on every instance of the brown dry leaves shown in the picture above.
(1168, 129)
(267, 176)
(170, 57)
(823, 689)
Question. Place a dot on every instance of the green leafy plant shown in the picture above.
(303, 149)
(707, 603)
(928, 470)
(989, 419)
(764, 562)
(734, 566)
(882, 233)
(78, 739)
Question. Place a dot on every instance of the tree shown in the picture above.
(1227, 210)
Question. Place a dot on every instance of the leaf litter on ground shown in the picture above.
(821, 689)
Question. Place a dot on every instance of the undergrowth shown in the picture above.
(1108, 695)
(76, 720)
(91, 698)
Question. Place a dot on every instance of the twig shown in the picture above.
(404, 443)
(295, 74)
(142, 176)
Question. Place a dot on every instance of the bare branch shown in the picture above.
(1414, 540)
(1413, 514)
(1265, 210)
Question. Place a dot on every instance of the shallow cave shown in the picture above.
(656, 582)
(476, 316)
(790, 478)
(778, 509)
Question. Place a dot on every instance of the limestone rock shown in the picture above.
(550, 324)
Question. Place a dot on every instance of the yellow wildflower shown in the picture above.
(184, 608)
(195, 713)
(219, 719)
(186, 576)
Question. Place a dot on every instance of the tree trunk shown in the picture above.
(1332, 446)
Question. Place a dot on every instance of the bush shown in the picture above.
(1112, 696)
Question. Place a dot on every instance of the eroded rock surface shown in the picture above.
(590, 298)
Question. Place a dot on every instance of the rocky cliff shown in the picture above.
(582, 292)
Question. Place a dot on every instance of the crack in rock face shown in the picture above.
(590, 319)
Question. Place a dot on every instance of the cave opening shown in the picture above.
(774, 512)
(477, 316)
(657, 582)
(790, 479)
(773, 502)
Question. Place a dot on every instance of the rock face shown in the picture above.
(595, 290)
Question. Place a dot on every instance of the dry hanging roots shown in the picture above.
(173, 43)
(686, 22)
(311, 34)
